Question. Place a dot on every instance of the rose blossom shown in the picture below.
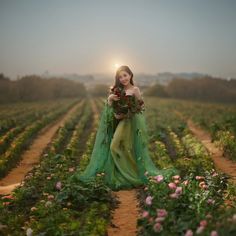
(214, 233)
(161, 212)
(214, 174)
(145, 214)
(71, 169)
(149, 200)
(158, 178)
(176, 177)
(58, 185)
(157, 227)
(203, 223)
(199, 177)
(189, 232)
(172, 185)
(178, 190)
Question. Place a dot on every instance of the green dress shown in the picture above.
(121, 152)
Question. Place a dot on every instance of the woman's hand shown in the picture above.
(111, 98)
(114, 97)
(119, 116)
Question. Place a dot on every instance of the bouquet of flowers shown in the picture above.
(127, 104)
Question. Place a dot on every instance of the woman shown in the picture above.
(121, 146)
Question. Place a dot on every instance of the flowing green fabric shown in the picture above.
(121, 152)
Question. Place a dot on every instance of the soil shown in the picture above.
(124, 221)
(222, 163)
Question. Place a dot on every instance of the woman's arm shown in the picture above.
(139, 96)
(109, 100)
(112, 97)
(137, 93)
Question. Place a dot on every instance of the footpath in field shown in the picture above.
(125, 216)
(222, 163)
(32, 155)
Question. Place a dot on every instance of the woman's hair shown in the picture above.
(117, 81)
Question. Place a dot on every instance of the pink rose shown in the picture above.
(172, 185)
(189, 232)
(203, 223)
(214, 233)
(161, 213)
(178, 190)
(149, 200)
(176, 177)
(145, 214)
(71, 169)
(157, 227)
(58, 185)
(158, 178)
(199, 177)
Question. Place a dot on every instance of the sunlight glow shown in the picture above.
(117, 65)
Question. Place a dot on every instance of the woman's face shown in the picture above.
(124, 77)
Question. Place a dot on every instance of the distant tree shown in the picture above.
(203, 89)
(156, 90)
(34, 88)
(99, 90)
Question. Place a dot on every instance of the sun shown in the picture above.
(116, 65)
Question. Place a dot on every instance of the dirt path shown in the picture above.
(222, 163)
(32, 155)
(126, 215)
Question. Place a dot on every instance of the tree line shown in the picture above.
(201, 89)
(34, 88)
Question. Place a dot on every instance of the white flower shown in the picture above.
(29, 232)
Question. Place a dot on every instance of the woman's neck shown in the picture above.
(128, 86)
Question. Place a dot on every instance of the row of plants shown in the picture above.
(218, 119)
(14, 115)
(65, 131)
(48, 204)
(198, 201)
(32, 187)
(20, 123)
(225, 140)
(187, 205)
(13, 155)
(72, 146)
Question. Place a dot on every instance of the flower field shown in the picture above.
(201, 200)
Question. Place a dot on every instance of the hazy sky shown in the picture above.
(85, 36)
